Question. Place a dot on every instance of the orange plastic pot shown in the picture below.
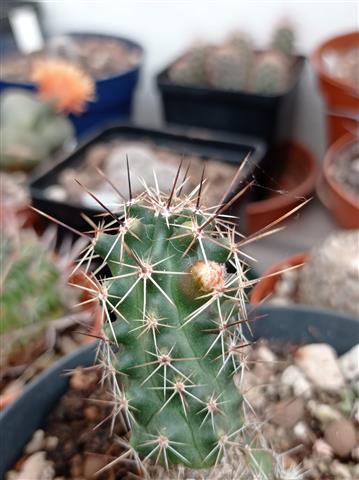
(265, 287)
(342, 99)
(298, 178)
(343, 205)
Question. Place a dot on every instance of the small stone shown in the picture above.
(340, 471)
(349, 364)
(287, 413)
(36, 467)
(319, 363)
(322, 449)
(355, 453)
(303, 433)
(76, 467)
(81, 380)
(98, 154)
(322, 412)
(341, 436)
(266, 355)
(12, 475)
(92, 413)
(93, 464)
(294, 378)
(252, 389)
(66, 344)
(356, 471)
(36, 443)
(55, 192)
(51, 443)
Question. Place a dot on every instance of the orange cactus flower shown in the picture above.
(64, 84)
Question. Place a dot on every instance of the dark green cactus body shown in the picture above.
(177, 366)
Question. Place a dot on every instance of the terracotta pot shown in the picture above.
(342, 99)
(343, 205)
(297, 176)
(265, 287)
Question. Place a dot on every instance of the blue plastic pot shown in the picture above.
(113, 94)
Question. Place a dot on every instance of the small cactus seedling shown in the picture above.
(271, 73)
(284, 39)
(34, 280)
(190, 69)
(174, 338)
(236, 66)
(228, 68)
(34, 125)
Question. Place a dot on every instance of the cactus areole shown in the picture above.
(176, 342)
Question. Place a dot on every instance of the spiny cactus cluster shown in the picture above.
(236, 66)
(34, 125)
(30, 280)
(173, 317)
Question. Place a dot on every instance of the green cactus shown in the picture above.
(30, 282)
(229, 68)
(31, 130)
(284, 39)
(177, 339)
(271, 73)
(190, 69)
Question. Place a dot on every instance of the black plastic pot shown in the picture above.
(231, 151)
(28, 413)
(267, 117)
(300, 325)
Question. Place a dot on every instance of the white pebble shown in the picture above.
(349, 364)
(294, 378)
(319, 363)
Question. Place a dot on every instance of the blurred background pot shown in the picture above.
(336, 65)
(292, 180)
(264, 289)
(338, 186)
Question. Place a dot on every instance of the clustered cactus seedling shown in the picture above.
(236, 66)
(30, 281)
(35, 125)
(174, 317)
(34, 280)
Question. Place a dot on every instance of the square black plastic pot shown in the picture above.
(267, 117)
(230, 151)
